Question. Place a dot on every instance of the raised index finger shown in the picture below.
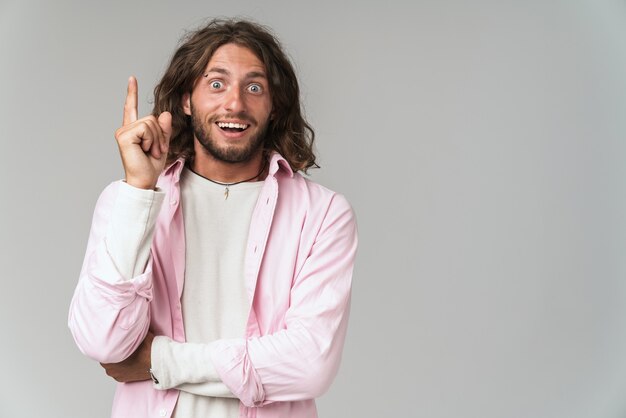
(130, 105)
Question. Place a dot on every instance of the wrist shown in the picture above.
(153, 377)
(140, 184)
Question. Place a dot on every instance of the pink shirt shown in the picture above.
(298, 269)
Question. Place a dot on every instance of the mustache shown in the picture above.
(239, 116)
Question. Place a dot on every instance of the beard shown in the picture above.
(228, 154)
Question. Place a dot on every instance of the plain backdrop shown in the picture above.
(481, 143)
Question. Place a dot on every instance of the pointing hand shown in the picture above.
(143, 143)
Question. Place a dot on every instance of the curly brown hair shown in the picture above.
(288, 132)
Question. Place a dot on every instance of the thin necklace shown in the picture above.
(227, 185)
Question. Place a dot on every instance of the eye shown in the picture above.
(216, 84)
(255, 88)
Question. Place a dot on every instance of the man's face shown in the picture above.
(230, 106)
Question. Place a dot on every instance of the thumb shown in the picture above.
(165, 123)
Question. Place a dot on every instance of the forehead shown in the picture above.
(235, 58)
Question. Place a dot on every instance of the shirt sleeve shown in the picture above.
(110, 311)
(300, 361)
(187, 367)
(130, 231)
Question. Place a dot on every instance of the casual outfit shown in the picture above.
(266, 339)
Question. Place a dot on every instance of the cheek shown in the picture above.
(204, 109)
(203, 101)
(267, 108)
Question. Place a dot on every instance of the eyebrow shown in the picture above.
(251, 74)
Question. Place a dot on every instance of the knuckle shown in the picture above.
(150, 123)
(151, 118)
(145, 125)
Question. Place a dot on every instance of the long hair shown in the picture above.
(288, 132)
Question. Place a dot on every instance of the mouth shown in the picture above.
(232, 127)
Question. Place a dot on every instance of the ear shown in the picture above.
(186, 103)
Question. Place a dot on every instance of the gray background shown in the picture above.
(481, 144)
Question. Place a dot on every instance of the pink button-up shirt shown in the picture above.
(298, 269)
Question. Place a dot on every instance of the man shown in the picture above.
(216, 280)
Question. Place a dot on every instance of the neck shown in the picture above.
(224, 172)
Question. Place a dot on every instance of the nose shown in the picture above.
(234, 100)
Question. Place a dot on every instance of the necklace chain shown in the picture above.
(227, 185)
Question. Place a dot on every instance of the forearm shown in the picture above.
(129, 234)
(187, 367)
(294, 364)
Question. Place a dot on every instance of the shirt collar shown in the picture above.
(175, 169)
(276, 162)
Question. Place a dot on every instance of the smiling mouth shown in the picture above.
(232, 126)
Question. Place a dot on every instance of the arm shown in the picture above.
(128, 236)
(166, 356)
(109, 314)
(110, 311)
(186, 367)
(300, 361)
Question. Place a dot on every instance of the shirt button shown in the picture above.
(173, 202)
(162, 413)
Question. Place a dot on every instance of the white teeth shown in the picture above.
(231, 125)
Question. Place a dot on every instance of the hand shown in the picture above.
(143, 143)
(134, 368)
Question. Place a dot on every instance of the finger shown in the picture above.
(147, 140)
(155, 148)
(165, 123)
(130, 105)
(156, 136)
(141, 134)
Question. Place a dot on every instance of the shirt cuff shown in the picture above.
(175, 364)
(129, 235)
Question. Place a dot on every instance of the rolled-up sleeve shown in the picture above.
(109, 313)
(300, 361)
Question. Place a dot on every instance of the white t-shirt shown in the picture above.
(215, 303)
